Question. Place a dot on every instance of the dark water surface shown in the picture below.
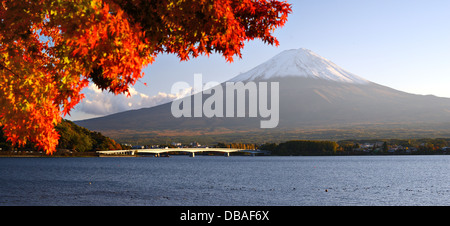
(237, 180)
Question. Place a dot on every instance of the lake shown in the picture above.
(226, 181)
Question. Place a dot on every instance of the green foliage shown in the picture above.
(73, 137)
(77, 138)
(302, 147)
(268, 147)
(385, 147)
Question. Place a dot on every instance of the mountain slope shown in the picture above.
(299, 63)
(315, 95)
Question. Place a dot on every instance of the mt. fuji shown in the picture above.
(317, 100)
(299, 63)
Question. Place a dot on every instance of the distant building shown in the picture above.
(367, 145)
(392, 150)
(176, 144)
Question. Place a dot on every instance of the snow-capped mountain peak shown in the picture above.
(299, 63)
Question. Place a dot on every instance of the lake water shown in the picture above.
(222, 181)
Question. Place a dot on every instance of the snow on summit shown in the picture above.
(302, 63)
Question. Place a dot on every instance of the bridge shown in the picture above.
(158, 151)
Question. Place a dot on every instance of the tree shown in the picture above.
(306, 147)
(73, 137)
(385, 147)
(51, 49)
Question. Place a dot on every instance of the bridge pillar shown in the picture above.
(192, 154)
(227, 154)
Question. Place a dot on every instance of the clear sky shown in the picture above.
(402, 44)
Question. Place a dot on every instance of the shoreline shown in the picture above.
(139, 156)
(46, 156)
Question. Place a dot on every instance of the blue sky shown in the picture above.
(402, 44)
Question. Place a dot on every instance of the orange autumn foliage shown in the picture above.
(51, 49)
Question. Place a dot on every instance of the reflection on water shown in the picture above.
(237, 180)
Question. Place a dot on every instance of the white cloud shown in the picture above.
(101, 103)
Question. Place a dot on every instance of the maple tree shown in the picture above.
(51, 49)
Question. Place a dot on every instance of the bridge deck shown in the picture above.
(191, 150)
